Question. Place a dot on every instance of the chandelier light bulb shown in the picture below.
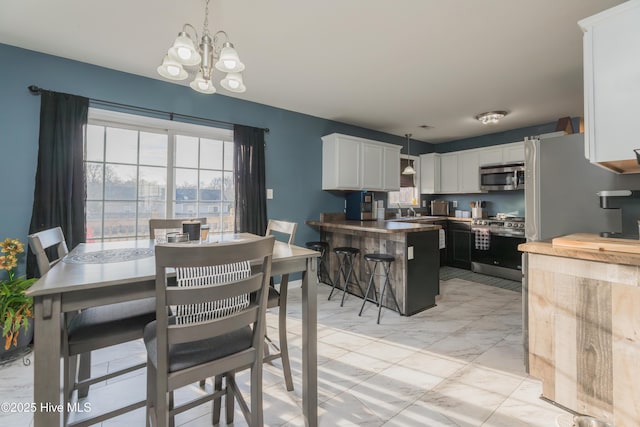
(229, 61)
(202, 85)
(233, 83)
(183, 50)
(172, 70)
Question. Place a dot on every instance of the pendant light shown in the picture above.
(409, 170)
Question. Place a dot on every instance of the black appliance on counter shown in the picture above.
(360, 206)
(494, 246)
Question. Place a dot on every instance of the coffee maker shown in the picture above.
(360, 206)
(610, 200)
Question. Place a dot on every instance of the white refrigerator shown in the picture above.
(561, 189)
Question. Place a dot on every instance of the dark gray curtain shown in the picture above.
(59, 195)
(249, 180)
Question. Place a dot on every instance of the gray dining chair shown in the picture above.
(278, 298)
(169, 223)
(93, 328)
(215, 328)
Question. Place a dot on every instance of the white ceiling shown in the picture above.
(389, 65)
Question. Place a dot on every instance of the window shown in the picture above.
(409, 194)
(139, 168)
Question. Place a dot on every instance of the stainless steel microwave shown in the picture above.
(503, 177)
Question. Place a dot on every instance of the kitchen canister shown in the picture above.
(192, 229)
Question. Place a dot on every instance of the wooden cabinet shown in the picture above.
(612, 87)
(430, 173)
(352, 163)
(449, 173)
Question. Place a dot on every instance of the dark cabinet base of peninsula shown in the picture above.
(422, 284)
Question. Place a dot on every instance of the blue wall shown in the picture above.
(294, 147)
(293, 155)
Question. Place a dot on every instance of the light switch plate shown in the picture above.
(269, 193)
(455, 203)
(410, 252)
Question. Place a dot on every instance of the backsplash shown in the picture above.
(495, 201)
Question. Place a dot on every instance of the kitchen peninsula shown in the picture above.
(583, 293)
(415, 276)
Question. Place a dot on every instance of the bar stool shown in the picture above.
(322, 271)
(345, 268)
(385, 260)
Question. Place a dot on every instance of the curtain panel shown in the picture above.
(249, 180)
(60, 193)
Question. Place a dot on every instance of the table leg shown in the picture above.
(46, 368)
(310, 344)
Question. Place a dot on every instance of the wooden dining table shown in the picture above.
(95, 274)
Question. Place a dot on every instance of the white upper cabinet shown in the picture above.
(430, 173)
(459, 171)
(449, 173)
(371, 165)
(512, 153)
(391, 167)
(352, 163)
(468, 171)
(612, 86)
(340, 163)
(490, 156)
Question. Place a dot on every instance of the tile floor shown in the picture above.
(458, 364)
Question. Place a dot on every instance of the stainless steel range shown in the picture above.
(494, 246)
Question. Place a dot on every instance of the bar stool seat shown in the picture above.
(323, 248)
(385, 260)
(346, 260)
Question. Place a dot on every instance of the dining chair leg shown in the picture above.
(172, 420)
(282, 331)
(151, 375)
(217, 402)
(230, 397)
(256, 394)
(84, 373)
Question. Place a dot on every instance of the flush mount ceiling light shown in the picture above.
(491, 117)
(184, 53)
(409, 170)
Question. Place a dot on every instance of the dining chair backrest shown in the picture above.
(284, 227)
(202, 264)
(169, 223)
(39, 242)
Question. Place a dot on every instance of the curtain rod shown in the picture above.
(35, 90)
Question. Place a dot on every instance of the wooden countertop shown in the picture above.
(590, 247)
(376, 226)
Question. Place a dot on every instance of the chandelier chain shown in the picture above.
(206, 19)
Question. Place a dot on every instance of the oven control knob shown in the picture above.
(484, 222)
(508, 224)
(521, 225)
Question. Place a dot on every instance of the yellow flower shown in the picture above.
(12, 246)
(8, 262)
